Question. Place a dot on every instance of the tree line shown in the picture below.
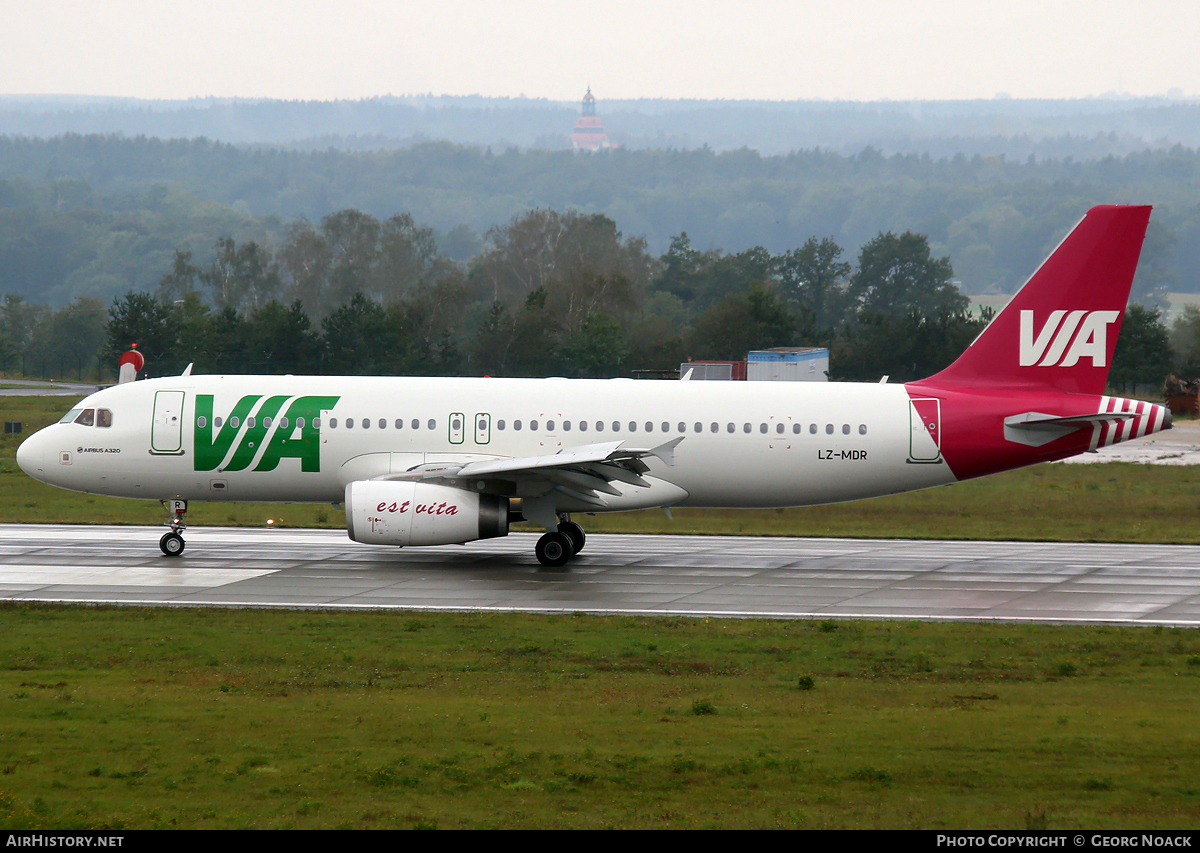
(99, 215)
(551, 293)
(1078, 128)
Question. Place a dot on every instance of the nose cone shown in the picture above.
(31, 455)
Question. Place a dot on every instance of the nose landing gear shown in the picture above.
(172, 543)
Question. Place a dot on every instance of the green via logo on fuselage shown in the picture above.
(299, 439)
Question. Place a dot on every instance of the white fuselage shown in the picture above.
(744, 444)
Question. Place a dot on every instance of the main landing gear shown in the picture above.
(172, 543)
(557, 547)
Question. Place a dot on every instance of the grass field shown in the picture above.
(180, 718)
(153, 718)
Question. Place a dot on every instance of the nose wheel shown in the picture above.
(172, 543)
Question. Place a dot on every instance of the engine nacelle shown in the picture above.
(400, 512)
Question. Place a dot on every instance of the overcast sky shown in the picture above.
(771, 49)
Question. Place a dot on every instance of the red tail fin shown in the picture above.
(1060, 330)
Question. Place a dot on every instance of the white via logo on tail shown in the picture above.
(1085, 331)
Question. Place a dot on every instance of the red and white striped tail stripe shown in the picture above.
(1145, 419)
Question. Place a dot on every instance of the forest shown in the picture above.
(564, 294)
(552, 293)
(438, 257)
(1079, 128)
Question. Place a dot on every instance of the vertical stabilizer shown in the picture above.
(1060, 329)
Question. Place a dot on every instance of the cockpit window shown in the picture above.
(103, 417)
(86, 418)
(70, 416)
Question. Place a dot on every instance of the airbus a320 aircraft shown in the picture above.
(428, 461)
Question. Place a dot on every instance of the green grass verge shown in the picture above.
(1111, 502)
(155, 718)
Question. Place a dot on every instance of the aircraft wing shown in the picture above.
(584, 473)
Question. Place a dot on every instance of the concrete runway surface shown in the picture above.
(650, 575)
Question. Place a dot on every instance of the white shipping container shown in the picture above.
(813, 367)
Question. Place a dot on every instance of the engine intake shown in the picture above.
(391, 512)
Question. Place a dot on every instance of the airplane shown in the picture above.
(436, 461)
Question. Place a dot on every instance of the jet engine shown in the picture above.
(400, 512)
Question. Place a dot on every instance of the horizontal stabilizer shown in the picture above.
(1035, 429)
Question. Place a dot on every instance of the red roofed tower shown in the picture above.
(589, 132)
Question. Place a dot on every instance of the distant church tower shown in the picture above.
(589, 130)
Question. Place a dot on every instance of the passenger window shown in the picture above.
(235, 421)
(300, 422)
(201, 422)
(862, 429)
(550, 426)
(316, 423)
(713, 427)
(416, 424)
(583, 426)
(746, 428)
(103, 417)
(382, 423)
(266, 423)
(533, 425)
(698, 427)
(249, 423)
(616, 426)
(812, 428)
(399, 423)
(845, 429)
(349, 423)
(500, 424)
(666, 427)
(517, 426)
(829, 429)
(566, 426)
(333, 423)
(632, 426)
(283, 423)
(649, 427)
(682, 426)
(432, 423)
(795, 429)
(730, 428)
(366, 424)
(762, 428)
(217, 422)
(86, 418)
(779, 428)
